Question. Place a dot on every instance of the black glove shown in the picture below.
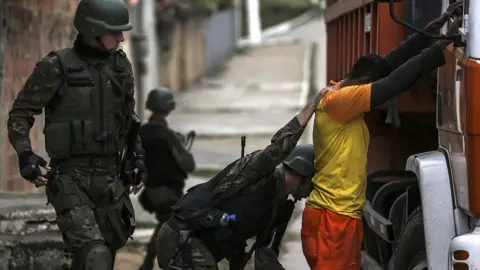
(132, 177)
(191, 133)
(29, 165)
(142, 173)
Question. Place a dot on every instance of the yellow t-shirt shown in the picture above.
(341, 139)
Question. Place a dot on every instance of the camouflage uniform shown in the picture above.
(94, 211)
(244, 176)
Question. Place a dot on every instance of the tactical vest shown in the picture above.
(157, 143)
(88, 115)
(199, 204)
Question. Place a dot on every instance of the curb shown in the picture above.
(234, 134)
(207, 170)
(292, 23)
(306, 76)
(309, 86)
(272, 42)
(241, 109)
(282, 27)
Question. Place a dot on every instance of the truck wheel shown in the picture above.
(410, 252)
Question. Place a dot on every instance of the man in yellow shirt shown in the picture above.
(331, 226)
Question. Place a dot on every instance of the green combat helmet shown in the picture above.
(95, 17)
(301, 160)
(160, 100)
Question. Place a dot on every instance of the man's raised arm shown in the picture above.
(418, 42)
(285, 139)
(402, 78)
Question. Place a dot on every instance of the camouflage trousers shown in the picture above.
(83, 200)
(169, 253)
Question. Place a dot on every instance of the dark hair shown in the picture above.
(371, 65)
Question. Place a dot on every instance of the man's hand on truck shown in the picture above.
(452, 30)
(437, 23)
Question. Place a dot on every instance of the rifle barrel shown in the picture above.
(244, 138)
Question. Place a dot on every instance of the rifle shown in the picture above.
(190, 139)
(242, 144)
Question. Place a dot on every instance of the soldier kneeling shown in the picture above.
(248, 198)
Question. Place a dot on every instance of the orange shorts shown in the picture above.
(331, 241)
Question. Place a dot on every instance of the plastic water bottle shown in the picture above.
(226, 218)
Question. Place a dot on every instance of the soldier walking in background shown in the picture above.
(168, 161)
(91, 135)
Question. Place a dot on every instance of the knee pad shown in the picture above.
(93, 256)
(98, 258)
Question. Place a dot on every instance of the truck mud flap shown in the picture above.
(380, 225)
(369, 263)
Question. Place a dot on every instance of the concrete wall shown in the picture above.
(33, 28)
(198, 46)
(220, 38)
(183, 64)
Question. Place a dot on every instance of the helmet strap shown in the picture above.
(302, 184)
(300, 187)
(100, 43)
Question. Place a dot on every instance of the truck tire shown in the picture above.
(410, 252)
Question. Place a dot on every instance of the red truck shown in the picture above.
(423, 192)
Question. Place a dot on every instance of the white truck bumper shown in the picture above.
(464, 251)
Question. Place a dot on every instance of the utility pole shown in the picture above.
(237, 7)
(254, 22)
(152, 61)
(139, 51)
(145, 48)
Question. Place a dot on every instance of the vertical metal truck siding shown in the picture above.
(360, 27)
(349, 35)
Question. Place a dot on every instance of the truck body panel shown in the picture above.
(431, 169)
(431, 131)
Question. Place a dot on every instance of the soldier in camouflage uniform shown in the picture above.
(87, 93)
(168, 161)
(202, 230)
